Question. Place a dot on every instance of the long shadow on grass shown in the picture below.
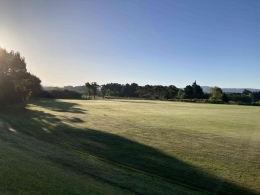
(116, 149)
(137, 101)
(60, 106)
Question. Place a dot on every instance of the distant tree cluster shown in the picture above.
(119, 90)
(92, 89)
(111, 89)
(245, 97)
(147, 91)
(157, 91)
(190, 92)
(16, 84)
(60, 94)
(256, 95)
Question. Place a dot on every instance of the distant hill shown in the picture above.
(206, 89)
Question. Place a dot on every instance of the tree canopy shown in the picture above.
(92, 89)
(215, 94)
(194, 91)
(16, 84)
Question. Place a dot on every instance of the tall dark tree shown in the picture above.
(35, 85)
(172, 91)
(92, 89)
(256, 95)
(132, 90)
(188, 91)
(224, 98)
(104, 90)
(114, 89)
(125, 90)
(197, 90)
(140, 91)
(160, 91)
(148, 89)
(16, 84)
(88, 89)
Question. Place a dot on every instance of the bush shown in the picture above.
(216, 101)
(256, 103)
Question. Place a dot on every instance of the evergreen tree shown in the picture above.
(188, 91)
(197, 90)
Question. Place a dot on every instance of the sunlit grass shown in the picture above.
(117, 146)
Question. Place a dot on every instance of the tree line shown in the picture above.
(147, 91)
(191, 92)
(17, 84)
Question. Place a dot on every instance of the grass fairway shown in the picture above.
(129, 147)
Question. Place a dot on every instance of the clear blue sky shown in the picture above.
(174, 42)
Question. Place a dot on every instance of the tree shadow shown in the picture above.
(116, 149)
(60, 106)
(136, 101)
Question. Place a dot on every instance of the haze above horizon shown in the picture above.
(147, 42)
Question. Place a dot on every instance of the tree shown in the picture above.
(125, 90)
(140, 91)
(246, 92)
(114, 89)
(88, 89)
(104, 90)
(224, 98)
(251, 96)
(171, 91)
(16, 84)
(92, 88)
(188, 91)
(33, 86)
(181, 94)
(132, 90)
(197, 90)
(215, 93)
(160, 91)
(148, 90)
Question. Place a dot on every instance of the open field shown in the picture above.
(129, 147)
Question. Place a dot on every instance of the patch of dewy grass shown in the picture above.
(216, 134)
(143, 147)
(23, 173)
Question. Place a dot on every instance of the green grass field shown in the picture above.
(129, 147)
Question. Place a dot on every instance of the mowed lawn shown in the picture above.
(129, 147)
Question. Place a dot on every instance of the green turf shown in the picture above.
(129, 147)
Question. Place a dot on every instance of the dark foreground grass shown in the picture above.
(133, 147)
